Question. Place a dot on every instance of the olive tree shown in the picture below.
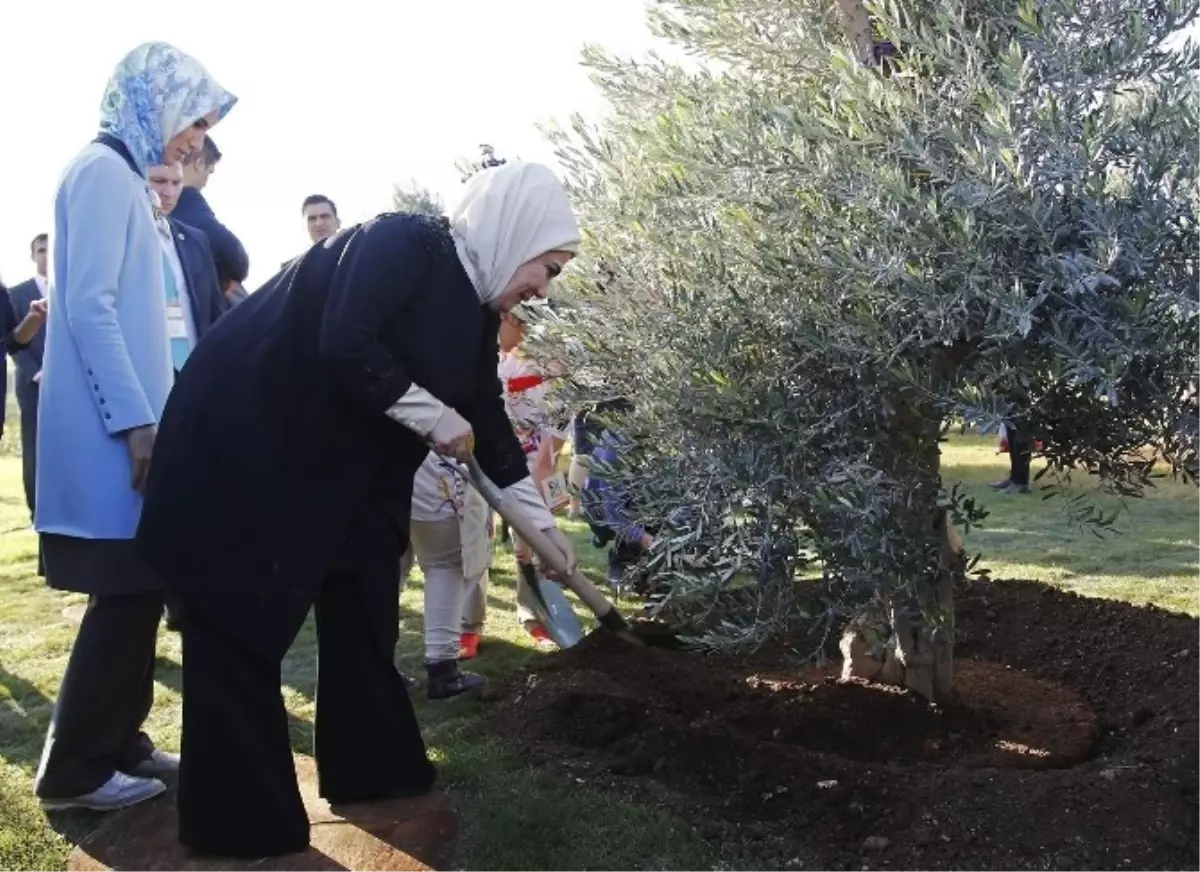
(487, 158)
(834, 229)
(417, 200)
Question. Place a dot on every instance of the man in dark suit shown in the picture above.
(232, 262)
(190, 258)
(189, 251)
(320, 220)
(320, 217)
(28, 359)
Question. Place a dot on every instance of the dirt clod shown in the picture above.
(875, 843)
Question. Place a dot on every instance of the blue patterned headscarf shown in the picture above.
(155, 93)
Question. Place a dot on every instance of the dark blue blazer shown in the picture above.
(27, 357)
(233, 264)
(204, 287)
(8, 342)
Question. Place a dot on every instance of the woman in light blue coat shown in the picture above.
(114, 312)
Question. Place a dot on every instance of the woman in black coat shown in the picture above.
(296, 424)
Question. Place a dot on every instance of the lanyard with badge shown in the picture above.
(176, 324)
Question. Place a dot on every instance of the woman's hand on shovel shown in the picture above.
(452, 436)
(563, 544)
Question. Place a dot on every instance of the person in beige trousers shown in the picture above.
(448, 539)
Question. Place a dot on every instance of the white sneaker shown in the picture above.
(158, 763)
(120, 791)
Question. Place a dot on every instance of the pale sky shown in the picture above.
(343, 98)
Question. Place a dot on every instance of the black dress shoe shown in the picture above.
(1002, 484)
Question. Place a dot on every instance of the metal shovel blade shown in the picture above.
(548, 602)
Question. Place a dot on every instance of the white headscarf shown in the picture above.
(509, 215)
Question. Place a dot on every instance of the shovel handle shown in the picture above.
(541, 544)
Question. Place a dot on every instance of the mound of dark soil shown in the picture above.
(1073, 743)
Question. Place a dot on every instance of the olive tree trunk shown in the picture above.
(911, 652)
(909, 642)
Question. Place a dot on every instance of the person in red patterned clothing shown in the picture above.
(542, 438)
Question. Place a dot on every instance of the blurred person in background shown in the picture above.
(29, 298)
(193, 289)
(229, 255)
(320, 217)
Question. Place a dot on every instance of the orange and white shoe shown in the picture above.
(541, 637)
(468, 646)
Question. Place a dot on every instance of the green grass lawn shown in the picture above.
(1151, 557)
(514, 817)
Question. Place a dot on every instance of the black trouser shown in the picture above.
(105, 697)
(173, 611)
(29, 451)
(238, 795)
(1020, 453)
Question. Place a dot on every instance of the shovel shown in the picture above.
(550, 605)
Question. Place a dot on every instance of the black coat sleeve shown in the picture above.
(496, 446)
(233, 264)
(232, 261)
(205, 280)
(378, 274)
(218, 305)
